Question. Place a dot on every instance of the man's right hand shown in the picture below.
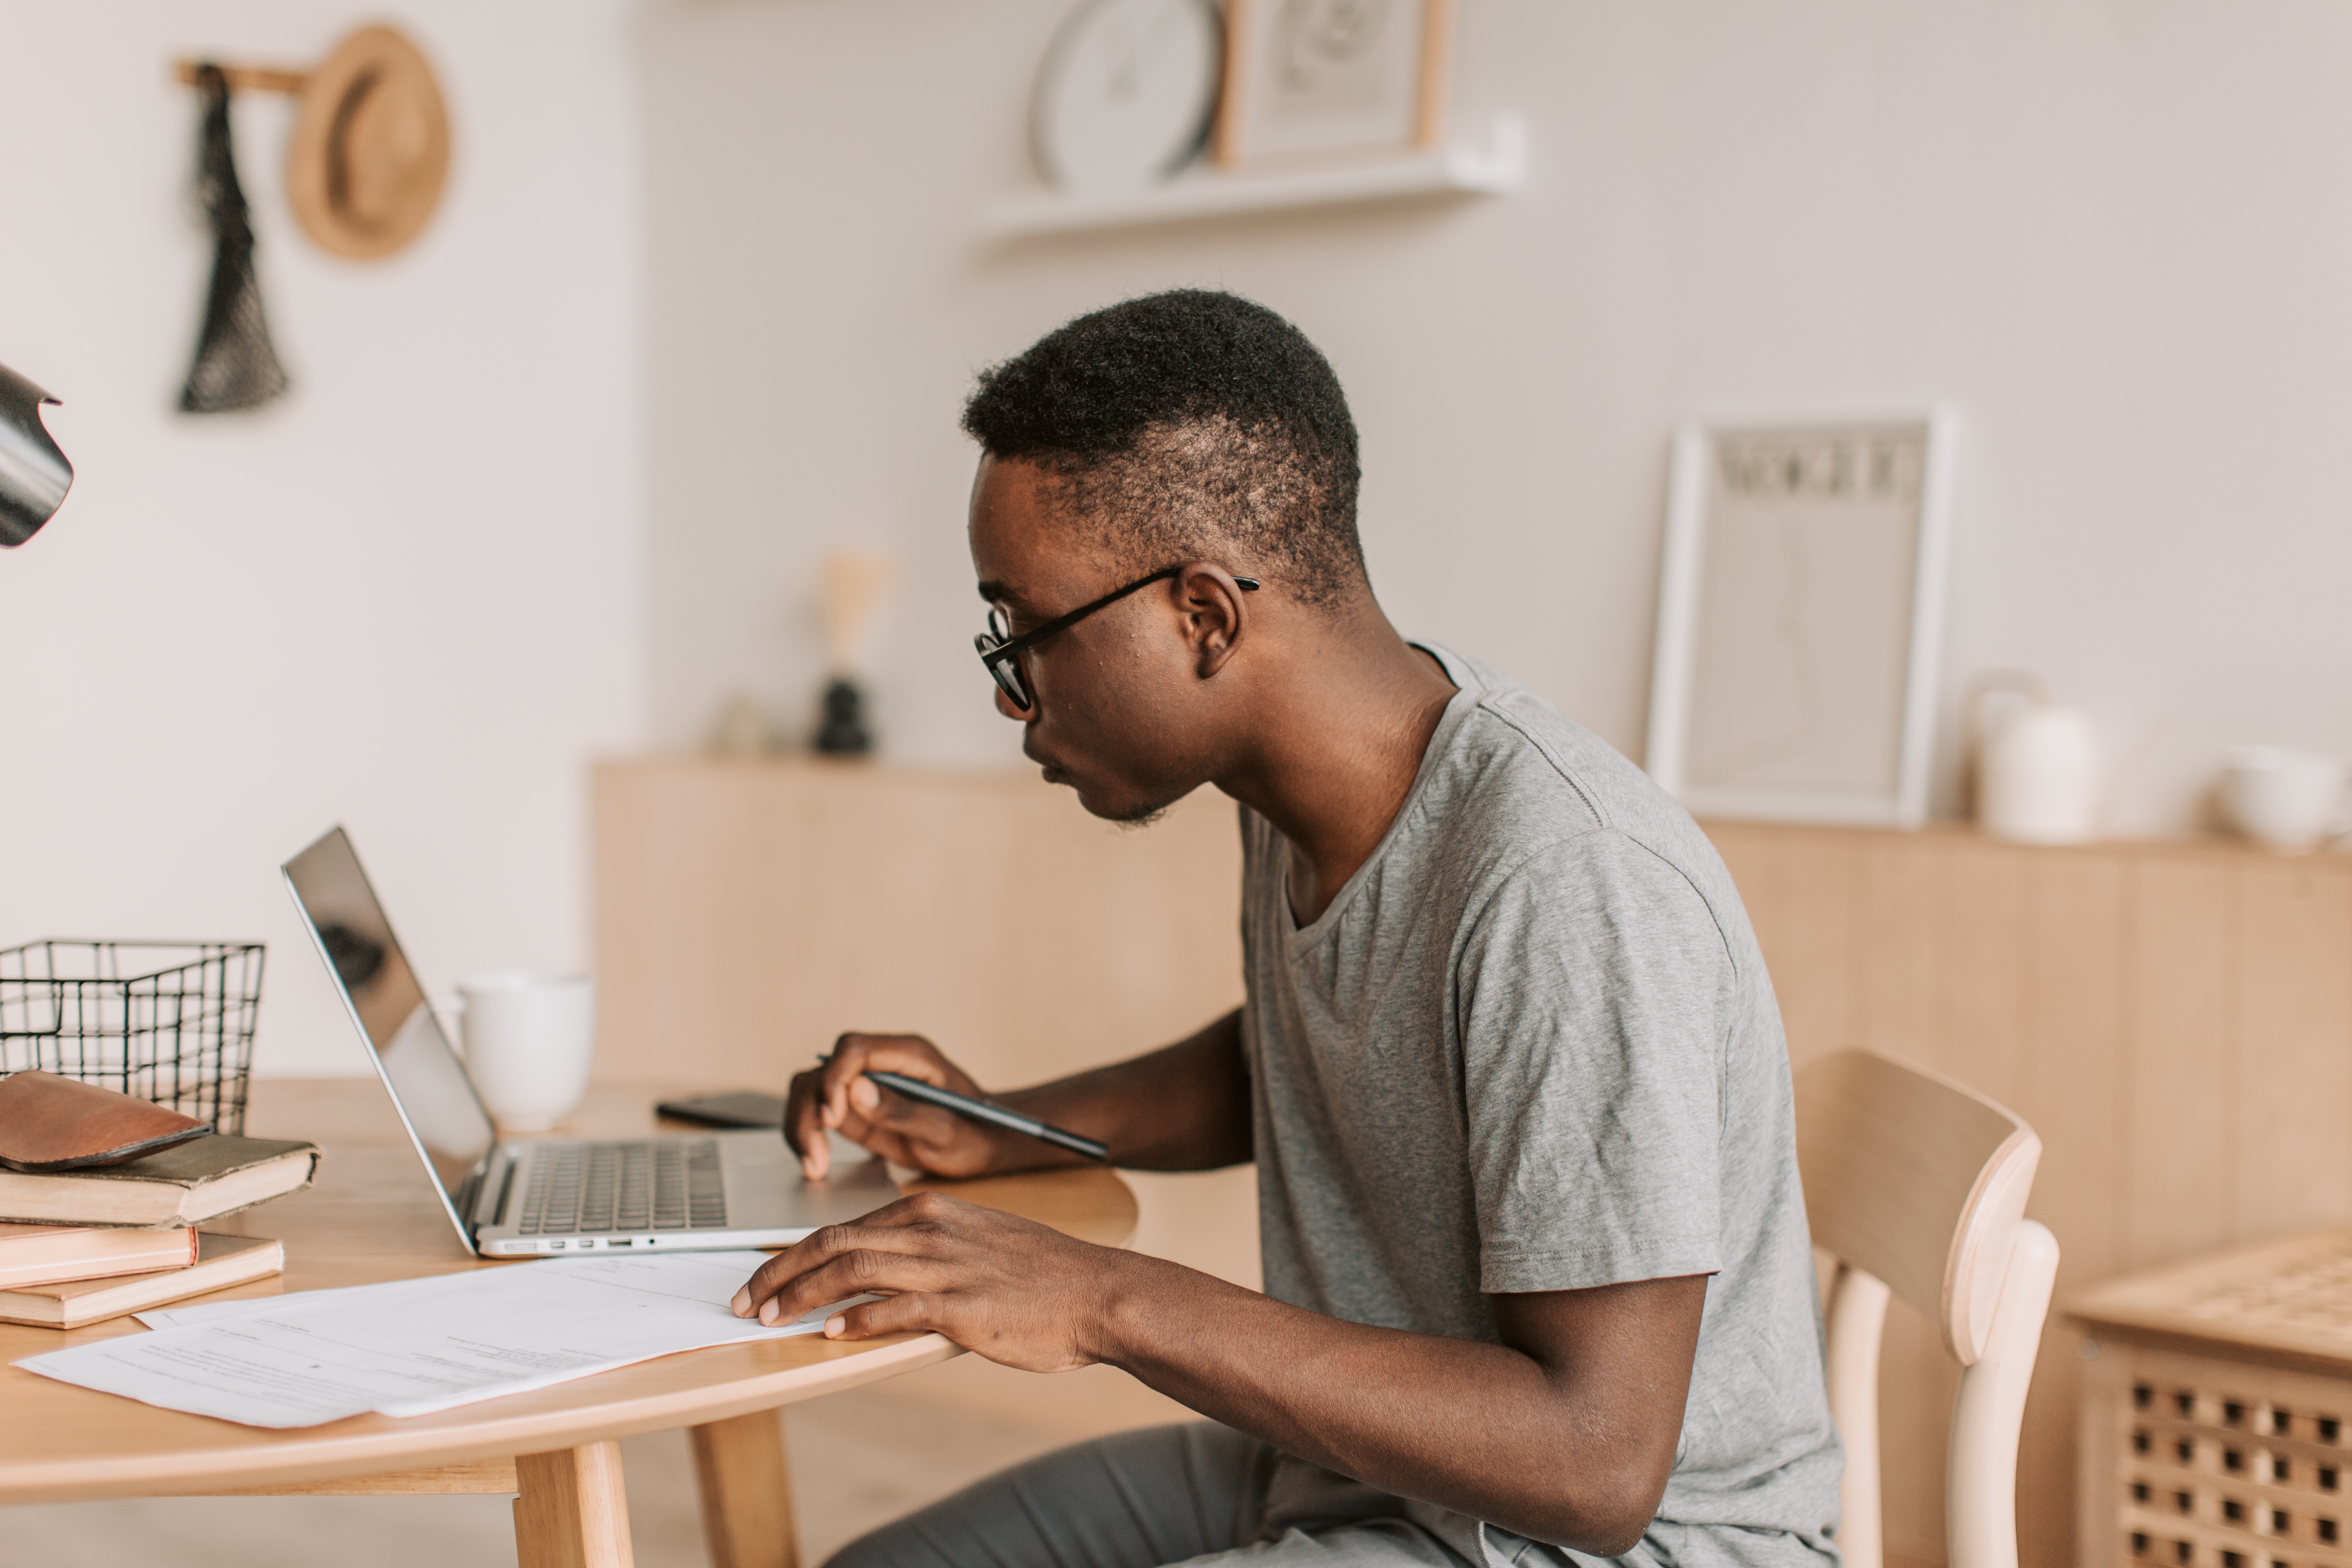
(838, 1097)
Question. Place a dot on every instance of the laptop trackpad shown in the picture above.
(765, 1189)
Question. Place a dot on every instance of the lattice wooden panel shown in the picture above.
(2225, 1465)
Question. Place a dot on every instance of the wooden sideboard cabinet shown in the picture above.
(748, 913)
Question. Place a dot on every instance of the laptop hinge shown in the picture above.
(477, 1187)
(509, 1164)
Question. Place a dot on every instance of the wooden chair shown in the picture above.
(1917, 1187)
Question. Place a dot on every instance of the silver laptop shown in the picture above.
(559, 1195)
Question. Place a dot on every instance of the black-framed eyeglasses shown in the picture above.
(1000, 649)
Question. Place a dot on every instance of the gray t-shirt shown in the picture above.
(1531, 1047)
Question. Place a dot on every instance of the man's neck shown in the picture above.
(1338, 746)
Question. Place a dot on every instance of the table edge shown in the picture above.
(205, 1472)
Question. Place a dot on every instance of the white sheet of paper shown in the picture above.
(202, 1311)
(416, 1346)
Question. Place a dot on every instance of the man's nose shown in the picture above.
(1005, 705)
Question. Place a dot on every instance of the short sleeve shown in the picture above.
(1591, 994)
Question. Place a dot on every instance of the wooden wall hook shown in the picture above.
(245, 79)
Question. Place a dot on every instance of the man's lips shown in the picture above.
(1046, 766)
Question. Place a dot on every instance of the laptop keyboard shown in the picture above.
(670, 1183)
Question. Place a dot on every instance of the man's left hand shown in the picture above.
(1013, 1290)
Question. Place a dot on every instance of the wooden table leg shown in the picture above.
(572, 1513)
(747, 1493)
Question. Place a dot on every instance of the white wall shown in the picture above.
(2115, 233)
(407, 597)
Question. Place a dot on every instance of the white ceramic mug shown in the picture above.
(2282, 799)
(530, 1037)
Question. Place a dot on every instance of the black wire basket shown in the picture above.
(170, 1021)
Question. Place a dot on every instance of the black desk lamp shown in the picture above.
(34, 475)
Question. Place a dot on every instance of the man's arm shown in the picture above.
(1185, 1106)
(1566, 1432)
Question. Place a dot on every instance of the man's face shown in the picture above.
(1115, 709)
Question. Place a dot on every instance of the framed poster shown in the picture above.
(1799, 613)
(1312, 78)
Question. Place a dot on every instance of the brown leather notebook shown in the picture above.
(52, 1123)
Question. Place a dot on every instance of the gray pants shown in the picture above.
(1195, 1493)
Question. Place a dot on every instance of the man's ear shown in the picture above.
(1215, 607)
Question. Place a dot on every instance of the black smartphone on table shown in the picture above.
(738, 1108)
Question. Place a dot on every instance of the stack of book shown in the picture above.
(80, 1245)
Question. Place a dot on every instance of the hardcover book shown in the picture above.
(221, 1261)
(181, 1185)
(53, 1254)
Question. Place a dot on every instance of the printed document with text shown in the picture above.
(413, 1346)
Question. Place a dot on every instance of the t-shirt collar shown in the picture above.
(1467, 690)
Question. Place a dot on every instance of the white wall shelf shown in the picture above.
(1492, 166)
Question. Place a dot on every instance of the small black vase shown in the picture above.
(844, 734)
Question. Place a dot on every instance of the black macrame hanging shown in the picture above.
(236, 365)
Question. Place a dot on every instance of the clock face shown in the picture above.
(1127, 93)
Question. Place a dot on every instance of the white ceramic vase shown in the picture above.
(2038, 780)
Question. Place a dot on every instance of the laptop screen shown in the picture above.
(428, 1081)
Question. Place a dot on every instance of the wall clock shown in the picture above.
(1127, 93)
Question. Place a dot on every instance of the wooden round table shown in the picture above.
(371, 1217)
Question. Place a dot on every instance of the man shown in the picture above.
(1537, 1281)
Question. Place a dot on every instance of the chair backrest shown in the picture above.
(1918, 1186)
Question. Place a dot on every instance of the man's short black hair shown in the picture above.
(1193, 424)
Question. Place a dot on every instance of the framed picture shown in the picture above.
(1799, 613)
(1316, 78)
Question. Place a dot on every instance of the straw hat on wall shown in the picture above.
(371, 146)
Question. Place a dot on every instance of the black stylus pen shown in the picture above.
(982, 1111)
